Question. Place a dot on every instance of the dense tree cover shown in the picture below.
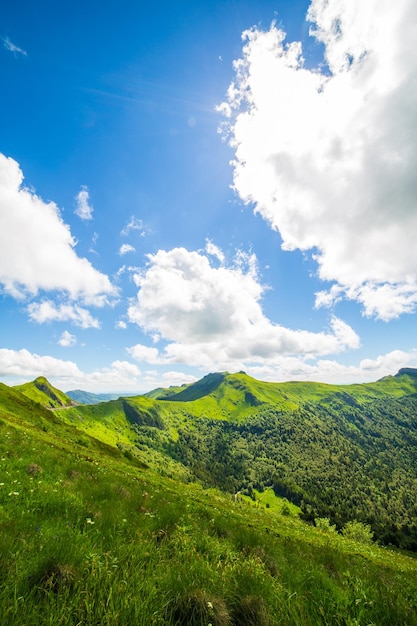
(336, 458)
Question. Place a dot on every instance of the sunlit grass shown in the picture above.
(91, 537)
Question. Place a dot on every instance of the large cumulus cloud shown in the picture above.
(327, 155)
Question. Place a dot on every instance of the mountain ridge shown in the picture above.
(172, 393)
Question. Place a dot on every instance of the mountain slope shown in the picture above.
(41, 391)
(90, 536)
(340, 451)
(16, 406)
(237, 396)
(197, 390)
(344, 452)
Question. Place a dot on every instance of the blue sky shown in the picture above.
(193, 187)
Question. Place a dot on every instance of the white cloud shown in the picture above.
(126, 368)
(332, 372)
(121, 324)
(48, 311)
(83, 209)
(25, 365)
(121, 376)
(11, 47)
(177, 378)
(18, 366)
(37, 248)
(125, 248)
(67, 340)
(385, 301)
(328, 155)
(212, 317)
(134, 224)
(140, 352)
(173, 378)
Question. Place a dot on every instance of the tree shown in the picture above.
(323, 523)
(358, 531)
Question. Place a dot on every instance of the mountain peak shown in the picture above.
(199, 389)
(41, 391)
(409, 371)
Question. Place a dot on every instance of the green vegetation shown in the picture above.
(41, 391)
(344, 452)
(111, 513)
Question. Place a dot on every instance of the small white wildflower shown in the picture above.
(89, 520)
(209, 605)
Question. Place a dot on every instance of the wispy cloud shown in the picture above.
(11, 47)
(134, 224)
(94, 240)
(125, 248)
(84, 209)
(213, 250)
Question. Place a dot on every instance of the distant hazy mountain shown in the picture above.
(87, 397)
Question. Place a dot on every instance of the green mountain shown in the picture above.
(346, 452)
(41, 391)
(17, 407)
(109, 528)
(197, 390)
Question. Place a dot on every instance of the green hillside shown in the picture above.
(41, 391)
(234, 394)
(164, 392)
(93, 535)
(346, 452)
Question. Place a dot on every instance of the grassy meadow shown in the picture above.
(92, 535)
